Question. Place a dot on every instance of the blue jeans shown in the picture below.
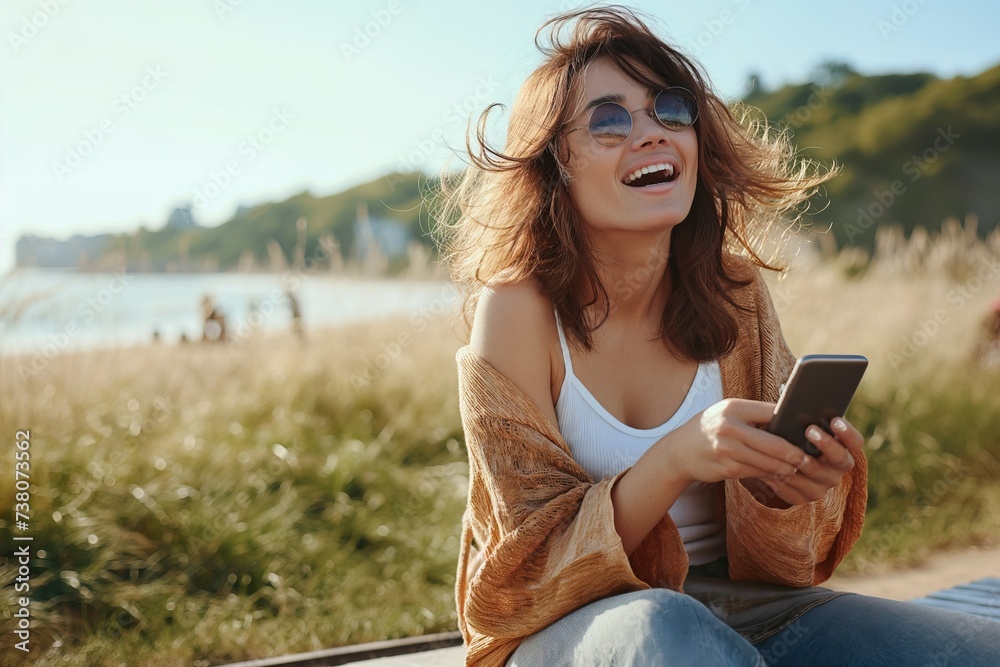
(664, 627)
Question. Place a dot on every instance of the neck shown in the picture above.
(633, 269)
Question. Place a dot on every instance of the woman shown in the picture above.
(626, 506)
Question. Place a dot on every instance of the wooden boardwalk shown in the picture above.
(979, 598)
(440, 650)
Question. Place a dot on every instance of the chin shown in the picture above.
(669, 217)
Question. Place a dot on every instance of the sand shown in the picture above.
(942, 569)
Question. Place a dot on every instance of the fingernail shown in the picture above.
(813, 434)
(839, 424)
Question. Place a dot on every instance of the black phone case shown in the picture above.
(820, 388)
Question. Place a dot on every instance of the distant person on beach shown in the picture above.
(214, 327)
(987, 351)
(296, 312)
(626, 505)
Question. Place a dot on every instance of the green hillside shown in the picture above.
(394, 197)
(915, 149)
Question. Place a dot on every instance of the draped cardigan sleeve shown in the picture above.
(545, 542)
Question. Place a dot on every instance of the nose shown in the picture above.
(646, 129)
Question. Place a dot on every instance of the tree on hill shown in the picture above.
(915, 149)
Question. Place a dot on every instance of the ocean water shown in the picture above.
(51, 310)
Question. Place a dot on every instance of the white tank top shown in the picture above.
(604, 446)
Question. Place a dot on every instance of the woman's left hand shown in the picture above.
(816, 476)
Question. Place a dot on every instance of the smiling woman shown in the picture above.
(625, 507)
(738, 183)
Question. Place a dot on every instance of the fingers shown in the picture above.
(766, 465)
(760, 412)
(847, 434)
(787, 491)
(835, 455)
(815, 476)
(775, 448)
(758, 453)
(752, 412)
(740, 461)
(810, 482)
(772, 456)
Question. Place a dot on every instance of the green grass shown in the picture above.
(201, 505)
(204, 505)
(934, 466)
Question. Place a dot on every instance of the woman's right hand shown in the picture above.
(723, 442)
(727, 441)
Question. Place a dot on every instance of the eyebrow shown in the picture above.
(617, 98)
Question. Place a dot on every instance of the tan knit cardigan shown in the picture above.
(545, 529)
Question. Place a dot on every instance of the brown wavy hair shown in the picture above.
(509, 216)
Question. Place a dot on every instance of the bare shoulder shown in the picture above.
(511, 330)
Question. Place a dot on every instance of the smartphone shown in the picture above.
(820, 388)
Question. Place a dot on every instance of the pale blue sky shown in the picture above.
(162, 94)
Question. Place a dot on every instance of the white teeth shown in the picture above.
(669, 168)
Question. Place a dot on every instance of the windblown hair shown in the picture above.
(509, 216)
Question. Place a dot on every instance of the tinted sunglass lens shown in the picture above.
(610, 124)
(676, 108)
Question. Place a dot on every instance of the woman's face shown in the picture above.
(599, 173)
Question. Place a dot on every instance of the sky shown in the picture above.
(112, 112)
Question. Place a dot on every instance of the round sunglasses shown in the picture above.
(611, 124)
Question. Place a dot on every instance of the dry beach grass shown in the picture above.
(204, 504)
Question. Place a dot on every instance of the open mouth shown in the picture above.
(651, 175)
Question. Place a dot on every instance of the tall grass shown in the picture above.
(194, 505)
(929, 410)
(205, 504)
